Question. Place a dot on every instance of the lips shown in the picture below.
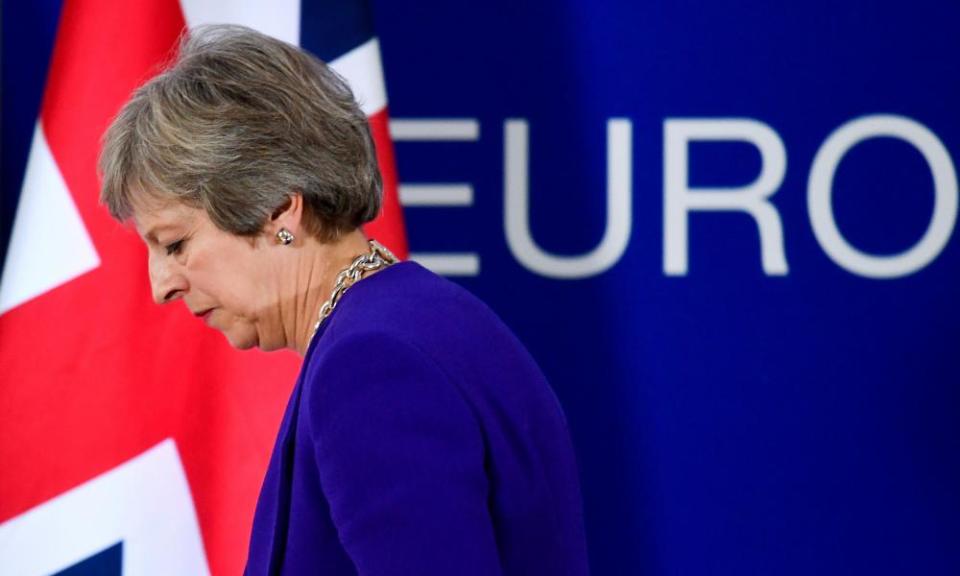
(204, 314)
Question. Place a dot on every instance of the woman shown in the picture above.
(420, 437)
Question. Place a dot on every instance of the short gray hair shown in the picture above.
(237, 123)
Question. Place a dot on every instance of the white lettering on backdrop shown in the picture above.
(679, 199)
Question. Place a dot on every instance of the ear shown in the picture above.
(288, 215)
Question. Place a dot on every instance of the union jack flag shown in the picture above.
(133, 440)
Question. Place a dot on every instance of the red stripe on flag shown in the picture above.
(388, 228)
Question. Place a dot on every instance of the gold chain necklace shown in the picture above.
(377, 258)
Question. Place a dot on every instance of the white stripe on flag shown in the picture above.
(144, 503)
(363, 71)
(361, 67)
(49, 245)
(277, 18)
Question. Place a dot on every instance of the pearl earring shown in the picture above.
(285, 237)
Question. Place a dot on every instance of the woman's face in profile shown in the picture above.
(223, 278)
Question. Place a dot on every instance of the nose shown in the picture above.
(167, 281)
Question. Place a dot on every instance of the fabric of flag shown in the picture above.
(129, 429)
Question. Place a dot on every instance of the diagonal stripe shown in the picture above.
(49, 245)
(144, 502)
(363, 71)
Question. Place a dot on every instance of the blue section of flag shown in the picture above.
(108, 562)
(331, 28)
(27, 42)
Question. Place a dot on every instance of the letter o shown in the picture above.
(820, 192)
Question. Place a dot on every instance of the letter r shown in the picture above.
(680, 199)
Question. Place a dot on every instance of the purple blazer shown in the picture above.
(421, 438)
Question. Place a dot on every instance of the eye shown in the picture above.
(174, 247)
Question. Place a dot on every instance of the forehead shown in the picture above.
(152, 218)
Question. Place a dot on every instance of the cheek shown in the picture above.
(234, 282)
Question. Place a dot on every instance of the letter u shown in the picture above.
(616, 235)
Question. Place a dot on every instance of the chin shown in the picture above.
(242, 341)
(244, 345)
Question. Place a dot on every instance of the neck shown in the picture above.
(316, 272)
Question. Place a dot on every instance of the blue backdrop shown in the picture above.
(732, 419)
